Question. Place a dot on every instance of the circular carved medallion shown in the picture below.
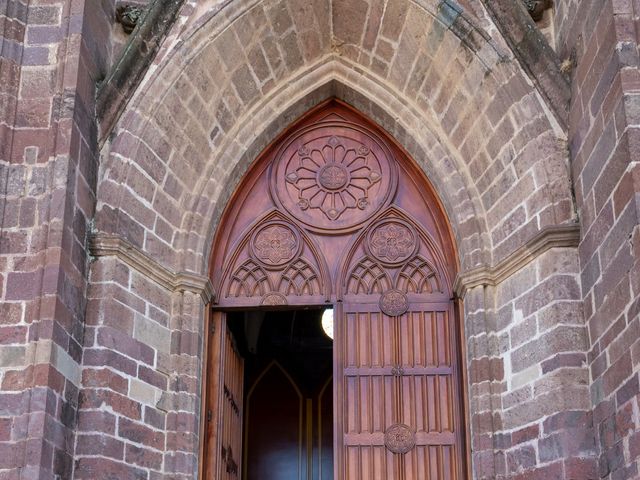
(275, 244)
(394, 303)
(272, 299)
(399, 438)
(392, 241)
(333, 176)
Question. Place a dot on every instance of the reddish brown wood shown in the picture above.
(231, 410)
(322, 182)
(334, 212)
(224, 404)
(211, 403)
(399, 371)
(207, 396)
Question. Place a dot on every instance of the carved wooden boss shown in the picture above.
(335, 213)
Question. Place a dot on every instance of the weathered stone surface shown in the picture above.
(124, 350)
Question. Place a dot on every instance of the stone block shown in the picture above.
(152, 334)
(560, 339)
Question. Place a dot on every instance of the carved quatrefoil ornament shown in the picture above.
(333, 177)
(399, 438)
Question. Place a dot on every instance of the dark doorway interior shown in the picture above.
(288, 404)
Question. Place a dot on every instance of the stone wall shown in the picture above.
(603, 39)
(141, 376)
(120, 340)
(51, 57)
(461, 106)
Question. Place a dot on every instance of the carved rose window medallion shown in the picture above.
(392, 241)
(333, 181)
(334, 178)
(275, 244)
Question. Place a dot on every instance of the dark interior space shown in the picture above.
(288, 404)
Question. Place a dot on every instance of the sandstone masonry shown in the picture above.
(108, 219)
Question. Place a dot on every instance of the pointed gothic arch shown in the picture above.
(334, 213)
(476, 127)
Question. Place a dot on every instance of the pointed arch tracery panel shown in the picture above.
(394, 254)
(275, 263)
(399, 376)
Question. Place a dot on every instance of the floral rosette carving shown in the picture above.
(394, 303)
(275, 244)
(333, 181)
(273, 299)
(392, 242)
(399, 438)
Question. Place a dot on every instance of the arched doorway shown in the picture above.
(334, 215)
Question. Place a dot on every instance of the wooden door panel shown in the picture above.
(369, 330)
(368, 404)
(231, 409)
(223, 409)
(427, 403)
(424, 337)
(399, 371)
(432, 462)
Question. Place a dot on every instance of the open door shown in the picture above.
(224, 409)
(398, 394)
(397, 363)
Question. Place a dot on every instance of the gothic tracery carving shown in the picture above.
(418, 276)
(300, 278)
(274, 263)
(275, 244)
(368, 277)
(248, 280)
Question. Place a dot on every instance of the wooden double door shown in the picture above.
(334, 214)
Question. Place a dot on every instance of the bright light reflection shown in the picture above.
(327, 322)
